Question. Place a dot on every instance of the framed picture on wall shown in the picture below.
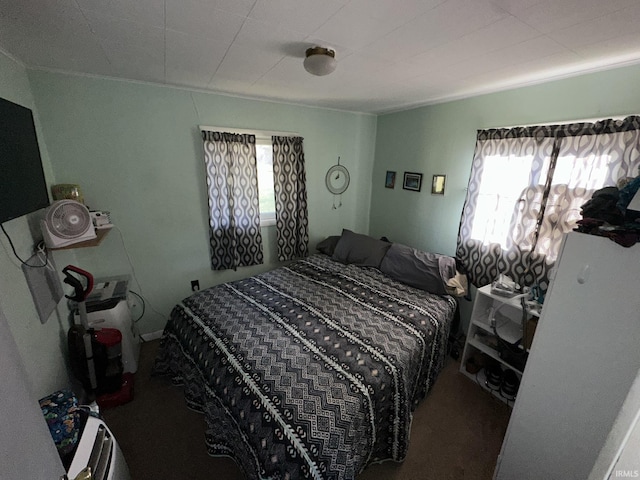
(437, 184)
(390, 180)
(412, 181)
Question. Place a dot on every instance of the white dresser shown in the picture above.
(584, 359)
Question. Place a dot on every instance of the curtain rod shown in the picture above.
(266, 133)
(564, 122)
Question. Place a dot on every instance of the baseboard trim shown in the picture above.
(147, 337)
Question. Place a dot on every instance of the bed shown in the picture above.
(311, 370)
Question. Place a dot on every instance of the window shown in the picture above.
(526, 191)
(500, 189)
(250, 177)
(264, 157)
(264, 161)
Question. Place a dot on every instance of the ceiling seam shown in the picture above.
(246, 17)
(106, 55)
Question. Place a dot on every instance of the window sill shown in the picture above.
(269, 222)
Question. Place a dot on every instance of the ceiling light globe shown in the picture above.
(320, 61)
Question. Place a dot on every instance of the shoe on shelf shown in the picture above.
(510, 384)
(494, 377)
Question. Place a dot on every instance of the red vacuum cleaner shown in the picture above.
(96, 354)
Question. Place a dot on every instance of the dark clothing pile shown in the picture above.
(606, 214)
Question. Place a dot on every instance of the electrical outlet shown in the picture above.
(195, 285)
(132, 302)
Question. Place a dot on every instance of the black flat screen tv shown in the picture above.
(23, 188)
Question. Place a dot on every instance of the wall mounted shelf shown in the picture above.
(101, 233)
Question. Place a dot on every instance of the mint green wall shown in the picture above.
(135, 150)
(42, 347)
(440, 139)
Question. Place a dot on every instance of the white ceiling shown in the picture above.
(391, 54)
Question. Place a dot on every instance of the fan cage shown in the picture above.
(68, 219)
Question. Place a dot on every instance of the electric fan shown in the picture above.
(67, 222)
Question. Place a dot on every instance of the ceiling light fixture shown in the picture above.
(320, 61)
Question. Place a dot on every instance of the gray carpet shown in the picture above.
(456, 433)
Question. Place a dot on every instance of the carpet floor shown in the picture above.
(456, 433)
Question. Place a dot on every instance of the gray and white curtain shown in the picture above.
(290, 188)
(526, 188)
(234, 213)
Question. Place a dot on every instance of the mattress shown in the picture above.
(311, 370)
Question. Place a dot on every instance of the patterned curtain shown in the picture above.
(234, 214)
(526, 188)
(290, 188)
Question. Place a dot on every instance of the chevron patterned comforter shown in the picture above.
(307, 371)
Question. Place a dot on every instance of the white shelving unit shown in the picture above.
(507, 312)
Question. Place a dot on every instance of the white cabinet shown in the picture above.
(582, 364)
(481, 338)
(27, 448)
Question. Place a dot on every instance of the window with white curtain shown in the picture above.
(526, 190)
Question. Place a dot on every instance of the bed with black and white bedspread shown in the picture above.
(308, 371)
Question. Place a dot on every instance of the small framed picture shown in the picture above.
(412, 181)
(437, 184)
(390, 180)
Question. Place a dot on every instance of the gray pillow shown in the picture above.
(426, 271)
(360, 249)
(328, 245)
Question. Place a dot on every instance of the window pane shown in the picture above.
(264, 155)
(502, 184)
